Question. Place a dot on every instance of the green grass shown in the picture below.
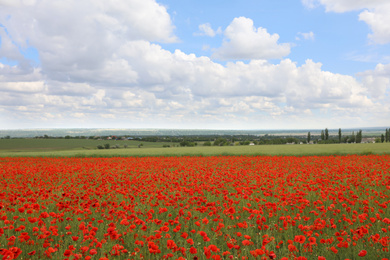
(60, 148)
(49, 145)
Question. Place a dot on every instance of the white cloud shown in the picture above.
(341, 6)
(83, 35)
(189, 88)
(375, 14)
(378, 82)
(25, 87)
(305, 36)
(379, 21)
(206, 30)
(243, 41)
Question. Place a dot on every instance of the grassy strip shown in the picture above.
(42, 145)
(277, 150)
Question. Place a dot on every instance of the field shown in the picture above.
(216, 207)
(21, 145)
(87, 148)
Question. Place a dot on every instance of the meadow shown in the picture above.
(87, 148)
(188, 207)
(66, 199)
(20, 145)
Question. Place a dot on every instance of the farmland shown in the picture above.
(230, 207)
(87, 148)
(21, 145)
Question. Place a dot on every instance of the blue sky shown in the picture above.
(337, 42)
(194, 64)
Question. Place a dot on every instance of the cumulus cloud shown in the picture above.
(78, 37)
(375, 14)
(187, 87)
(377, 82)
(206, 30)
(243, 41)
(379, 21)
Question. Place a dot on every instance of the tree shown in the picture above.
(308, 137)
(326, 134)
(322, 135)
(387, 136)
(353, 138)
(359, 136)
(207, 143)
(382, 138)
(339, 135)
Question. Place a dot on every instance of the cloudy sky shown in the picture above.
(221, 64)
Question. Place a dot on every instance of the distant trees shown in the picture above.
(359, 137)
(339, 135)
(188, 143)
(105, 146)
(308, 137)
(221, 142)
(382, 138)
(387, 135)
(353, 137)
(207, 143)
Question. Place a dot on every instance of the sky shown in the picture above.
(186, 64)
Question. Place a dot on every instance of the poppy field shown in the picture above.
(214, 207)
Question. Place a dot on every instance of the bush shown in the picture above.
(107, 146)
(100, 147)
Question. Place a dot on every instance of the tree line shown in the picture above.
(386, 137)
(353, 138)
(325, 139)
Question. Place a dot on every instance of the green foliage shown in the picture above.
(221, 142)
(339, 135)
(187, 143)
(308, 137)
(106, 146)
(353, 138)
(359, 137)
(207, 143)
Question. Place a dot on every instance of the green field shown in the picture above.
(87, 148)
